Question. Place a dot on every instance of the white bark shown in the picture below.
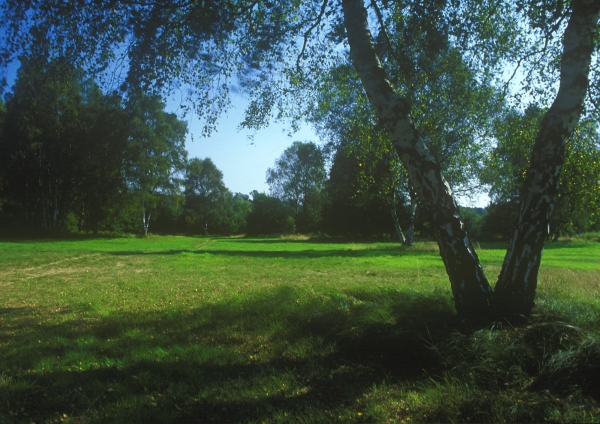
(472, 292)
(515, 290)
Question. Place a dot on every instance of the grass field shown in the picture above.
(181, 329)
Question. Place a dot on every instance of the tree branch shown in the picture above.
(308, 32)
(385, 34)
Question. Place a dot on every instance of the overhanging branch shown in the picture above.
(309, 31)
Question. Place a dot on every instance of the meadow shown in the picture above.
(184, 329)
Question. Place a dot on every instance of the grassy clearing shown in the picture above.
(177, 329)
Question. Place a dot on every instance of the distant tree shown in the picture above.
(101, 185)
(504, 168)
(298, 178)
(577, 205)
(473, 219)
(206, 196)
(44, 143)
(2, 142)
(167, 215)
(507, 162)
(241, 207)
(269, 215)
(451, 121)
(156, 154)
(358, 200)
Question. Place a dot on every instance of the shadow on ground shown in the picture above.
(309, 253)
(273, 356)
(251, 361)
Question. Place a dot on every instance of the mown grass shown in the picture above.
(181, 329)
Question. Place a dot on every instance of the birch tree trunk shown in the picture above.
(145, 220)
(515, 290)
(471, 290)
(397, 226)
(410, 230)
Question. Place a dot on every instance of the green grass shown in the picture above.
(181, 329)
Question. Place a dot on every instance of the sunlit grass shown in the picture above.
(180, 329)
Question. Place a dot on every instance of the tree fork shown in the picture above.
(471, 290)
(517, 282)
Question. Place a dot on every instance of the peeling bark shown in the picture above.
(515, 290)
(471, 290)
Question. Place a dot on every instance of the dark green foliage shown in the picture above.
(102, 183)
(298, 178)
(578, 203)
(74, 158)
(473, 219)
(156, 154)
(498, 221)
(167, 215)
(355, 208)
(269, 215)
(205, 197)
(43, 148)
(63, 149)
(230, 214)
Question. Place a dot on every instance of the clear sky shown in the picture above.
(243, 161)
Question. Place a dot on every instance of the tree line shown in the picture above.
(75, 159)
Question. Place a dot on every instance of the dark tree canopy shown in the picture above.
(298, 178)
(205, 195)
(156, 153)
(63, 147)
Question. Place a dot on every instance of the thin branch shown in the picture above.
(593, 101)
(385, 34)
(309, 30)
(519, 62)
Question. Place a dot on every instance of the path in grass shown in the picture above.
(169, 329)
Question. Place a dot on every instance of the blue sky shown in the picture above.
(243, 161)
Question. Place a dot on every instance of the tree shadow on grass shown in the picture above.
(272, 355)
(283, 355)
(309, 253)
(21, 310)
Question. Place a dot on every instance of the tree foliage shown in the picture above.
(576, 209)
(63, 146)
(206, 196)
(298, 178)
(72, 155)
(269, 216)
(156, 153)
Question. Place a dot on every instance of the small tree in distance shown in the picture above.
(205, 193)
(298, 178)
(156, 153)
